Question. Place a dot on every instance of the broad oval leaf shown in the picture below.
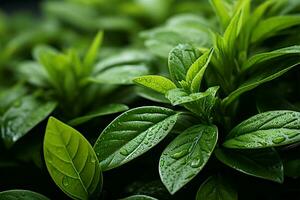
(23, 115)
(132, 134)
(216, 188)
(71, 161)
(21, 195)
(139, 197)
(104, 110)
(268, 129)
(123, 74)
(180, 60)
(186, 155)
(180, 96)
(262, 163)
(157, 83)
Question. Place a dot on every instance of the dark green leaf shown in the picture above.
(71, 161)
(268, 129)
(186, 155)
(256, 80)
(21, 195)
(139, 197)
(132, 134)
(104, 110)
(262, 163)
(216, 188)
(23, 115)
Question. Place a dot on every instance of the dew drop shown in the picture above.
(278, 140)
(124, 152)
(179, 154)
(65, 181)
(196, 163)
(93, 160)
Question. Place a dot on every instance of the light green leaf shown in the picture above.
(23, 115)
(139, 197)
(9, 96)
(271, 26)
(268, 129)
(262, 163)
(179, 96)
(258, 79)
(104, 110)
(222, 10)
(132, 134)
(71, 161)
(21, 195)
(91, 55)
(157, 83)
(120, 74)
(180, 60)
(186, 155)
(263, 57)
(216, 188)
(196, 72)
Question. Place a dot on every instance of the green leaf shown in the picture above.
(93, 51)
(186, 155)
(21, 195)
(179, 96)
(158, 83)
(120, 74)
(23, 115)
(258, 79)
(139, 197)
(104, 110)
(222, 11)
(292, 167)
(196, 72)
(151, 95)
(132, 134)
(263, 57)
(261, 163)
(9, 96)
(181, 58)
(272, 26)
(216, 188)
(268, 129)
(71, 161)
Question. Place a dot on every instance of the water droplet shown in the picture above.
(179, 154)
(124, 152)
(65, 181)
(278, 140)
(196, 163)
(93, 160)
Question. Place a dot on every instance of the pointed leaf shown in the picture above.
(272, 26)
(158, 83)
(268, 129)
(133, 133)
(196, 72)
(71, 161)
(262, 163)
(258, 79)
(222, 11)
(93, 51)
(186, 155)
